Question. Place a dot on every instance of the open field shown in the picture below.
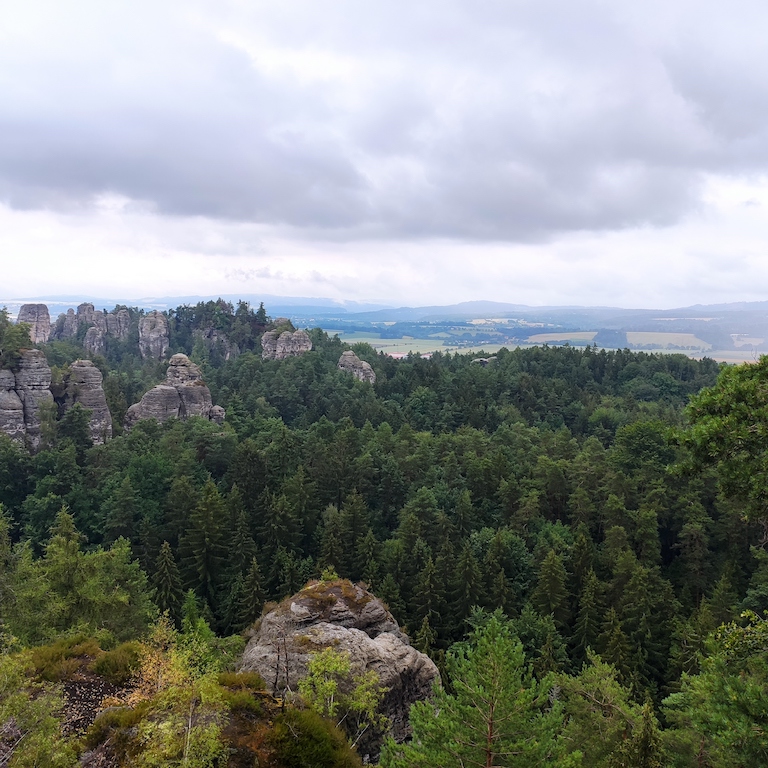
(425, 346)
(562, 336)
(664, 339)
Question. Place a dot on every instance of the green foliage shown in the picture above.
(29, 713)
(349, 699)
(499, 715)
(303, 739)
(723, 711)
(120, 664)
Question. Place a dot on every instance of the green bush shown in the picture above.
(303, 739)
(119, 665)
(114, 719)
(247, 680)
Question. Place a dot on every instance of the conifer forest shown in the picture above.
(576, 538)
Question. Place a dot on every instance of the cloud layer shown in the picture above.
(492, 120)
(558, 130)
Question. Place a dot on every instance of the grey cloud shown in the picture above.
(491, 120)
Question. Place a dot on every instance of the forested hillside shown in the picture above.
(551, 502)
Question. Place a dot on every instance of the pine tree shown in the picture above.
(467, 584)
(498, 715)
(587, 627)
(121, 515)
(550, 597)
(614, 646)
(333, 547)
(203, 548)
(252, 596)
(166, 580)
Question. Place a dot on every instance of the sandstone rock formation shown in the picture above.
(33, 383)
(11, 408)
(100, 325)
(350, 619)
(153, 335)
(39, 321)
(279, 346)
(83, 384)
(361, 370)
(184, 394)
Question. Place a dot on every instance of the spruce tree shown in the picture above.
(166, 580)
(203, 548)
(587, 627)
(550, 597)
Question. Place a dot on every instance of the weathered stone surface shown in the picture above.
(66, 326)
(153, 335)
(183, 395)
(119, 324)
(217, 414)
(84, 385)
(11, 408)
(279, 346)
(214, 340)
(361, 370)
(95, 340)
(39, 321)
(161, 403)
(33, 382)
(350, 619)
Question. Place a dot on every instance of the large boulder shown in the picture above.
(33, 382)
(83, 385)
(279, 346)
(217, 341)
(350, 619)
(153, 335)
(351, 363)
(39, 321)
(184, 394)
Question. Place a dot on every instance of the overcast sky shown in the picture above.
(531, 151)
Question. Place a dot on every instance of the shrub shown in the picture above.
(303, 739)
(119, 665)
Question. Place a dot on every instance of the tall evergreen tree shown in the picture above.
(550, 597)
(169, 594)
(203, 548)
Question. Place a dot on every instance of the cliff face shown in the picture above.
(83, 385)
(350, 619)
(184, 394)
(279, 346)
(361, 370)
(39, 321)
(153, 335)
(32, 388)
(24, 392)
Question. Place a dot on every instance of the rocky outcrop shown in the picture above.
(33, 387)
(361, 370)
(279, 346)
(83, 385)
(100, 325)
(153, 335)
(350, 619)
(184, 394)
(215, 340)
(39, 321)
(11, 408)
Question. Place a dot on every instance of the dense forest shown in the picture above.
(590, 523)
